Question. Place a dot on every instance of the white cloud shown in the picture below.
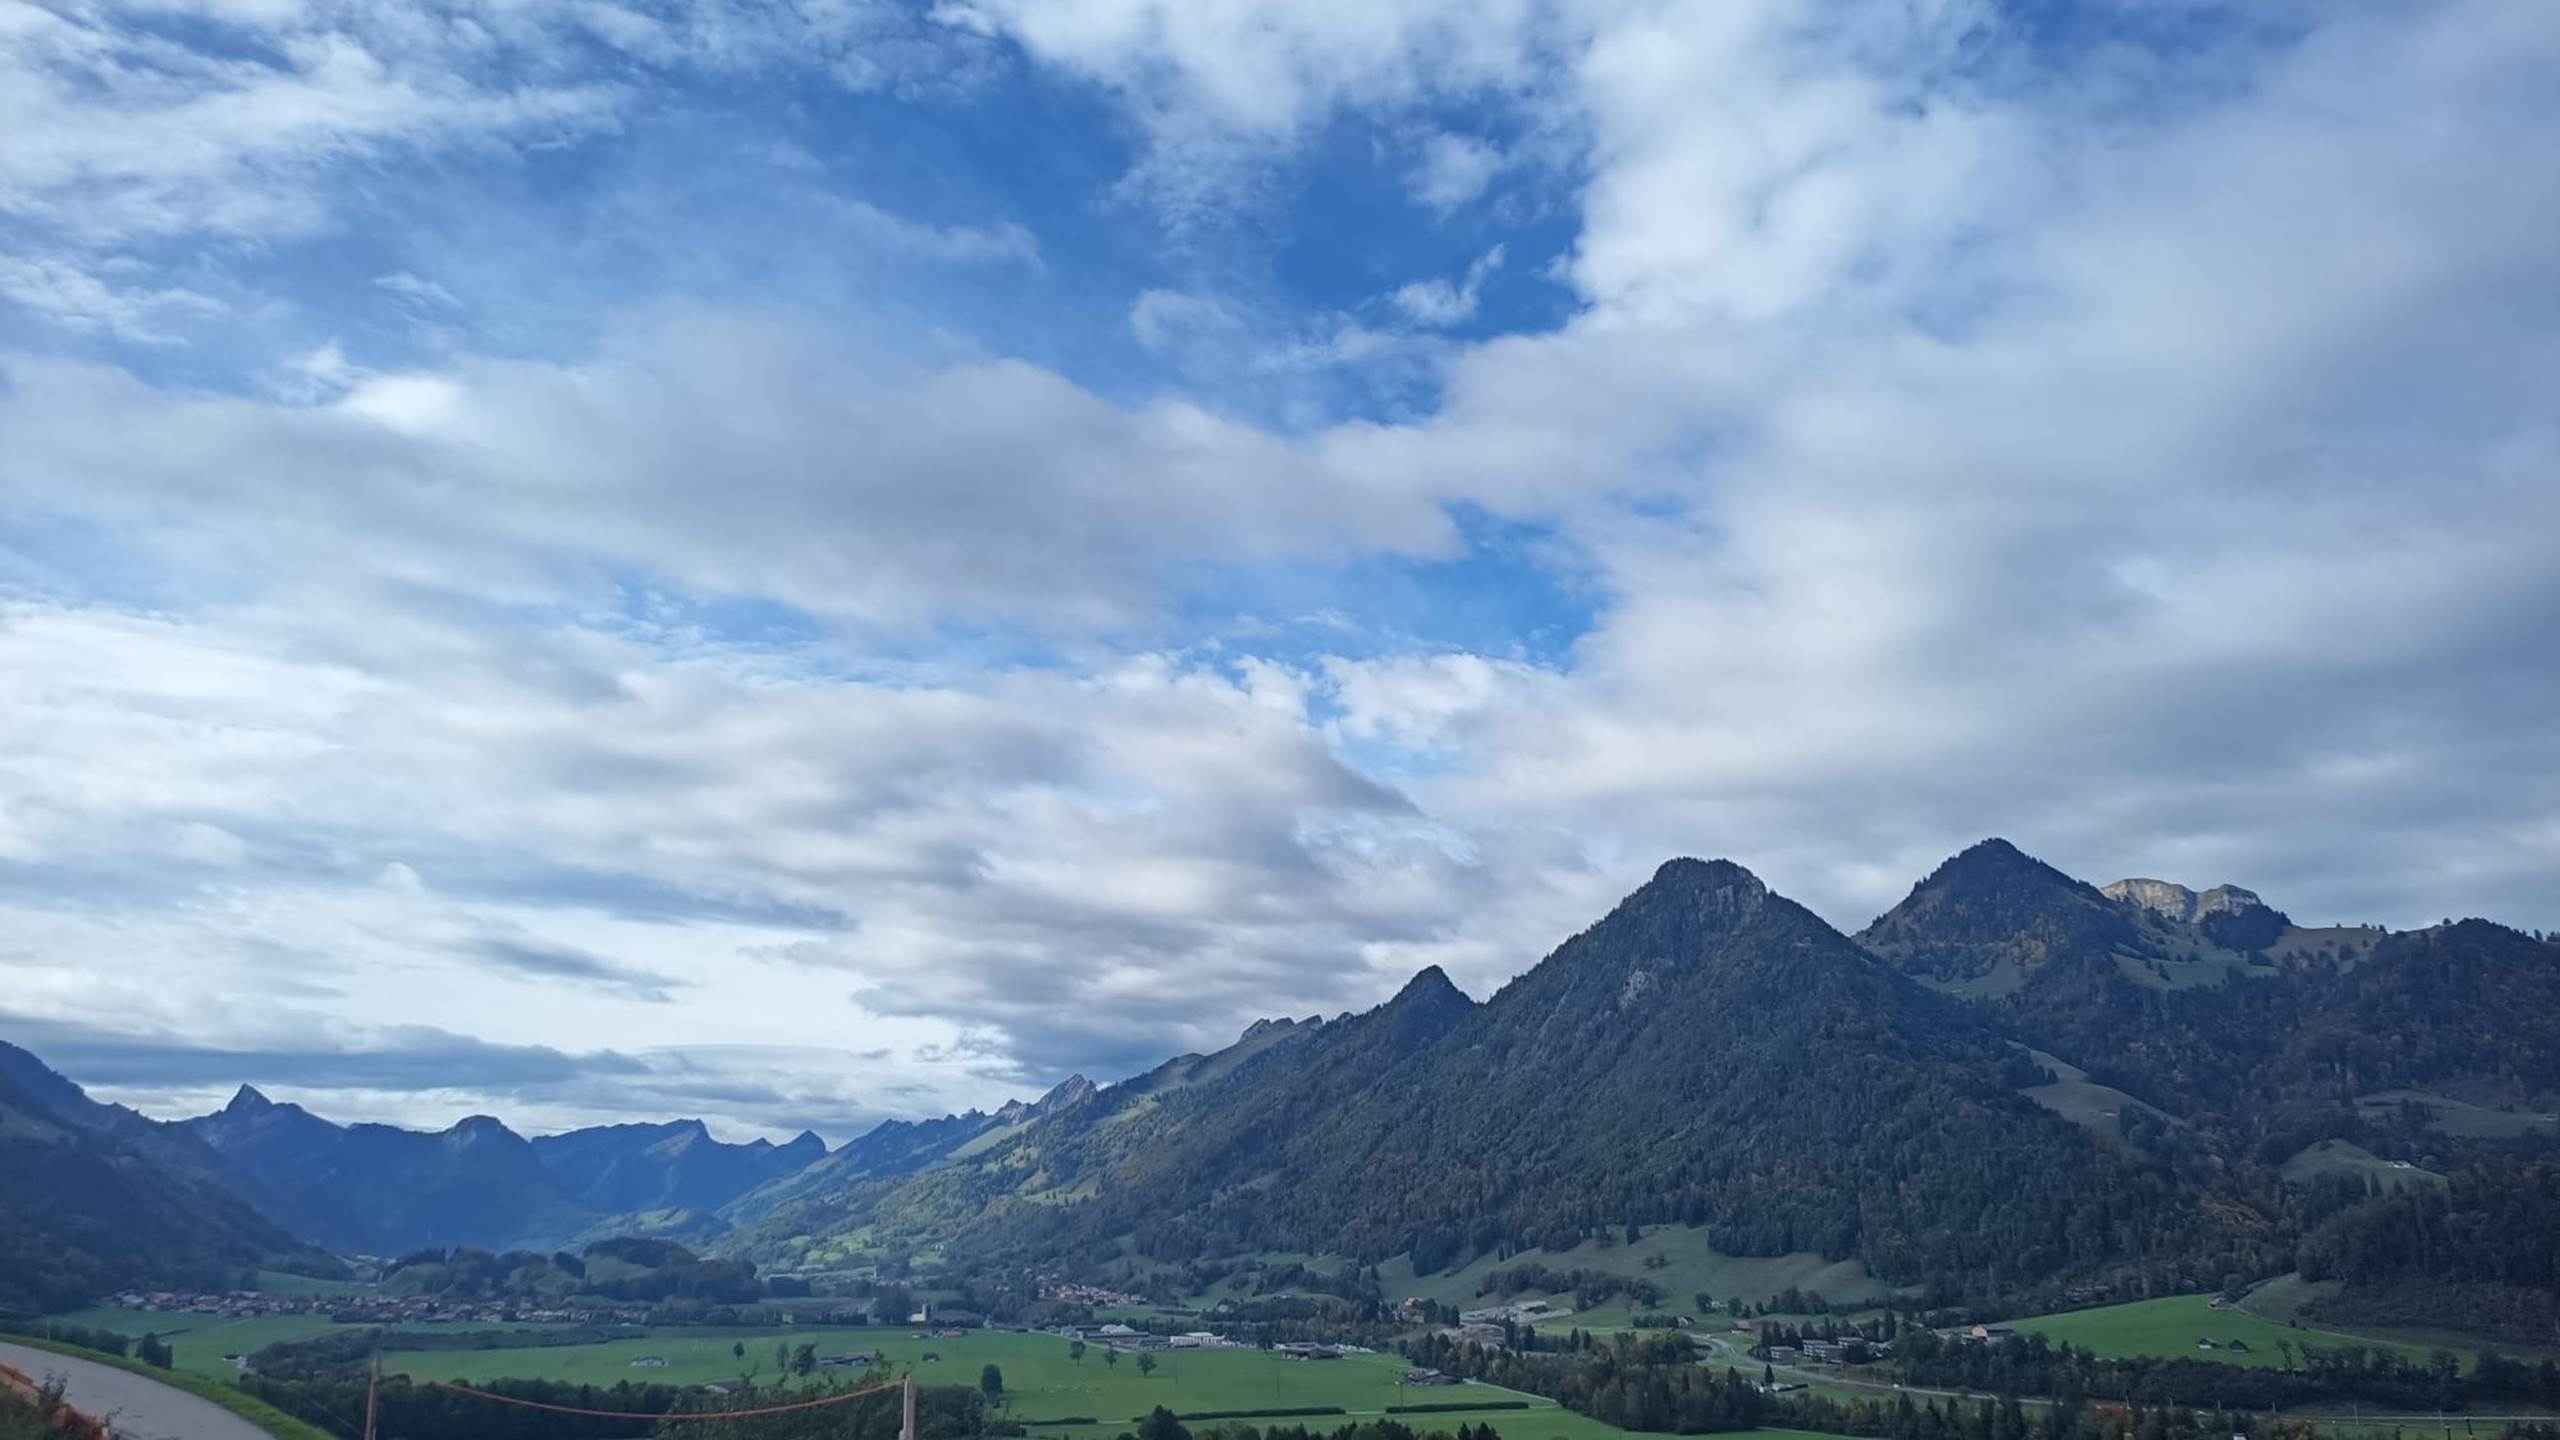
(728, 458)
(1440, 303)
(1453, 170)
(1222, 86)
(418, 290)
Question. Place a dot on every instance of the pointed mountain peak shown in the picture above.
(1997, 863)
(1431, 986)
(806, 1141)
(1992, 856)
(247, 1101)
(1074, 1090)
(1715, 894)
(1995, 906)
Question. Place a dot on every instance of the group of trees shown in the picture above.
(1590, 1288)
(2312, 1374)
(1163, 1424)
(335, 1402)
(2474, 1254)
(1635, 1382)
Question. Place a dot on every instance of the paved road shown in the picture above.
(135, 1407)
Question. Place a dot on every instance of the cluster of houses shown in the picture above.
(354, 1309)
(235, 1304)
(1822, 1352)
(1128, 1337)
(1073, 1293)
(1523, 1312)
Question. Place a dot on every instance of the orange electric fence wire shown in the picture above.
(672, 1414)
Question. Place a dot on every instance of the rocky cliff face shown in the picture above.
(2180, 903)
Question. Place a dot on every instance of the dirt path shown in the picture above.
(135, 1407)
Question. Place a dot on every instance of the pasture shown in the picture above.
(1042, 1382)
(197, 1343)
(2459, 1117)
(1680, 1260)
(2170, 1328)
(2342, 1157)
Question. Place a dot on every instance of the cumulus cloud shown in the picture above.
(2146, 455)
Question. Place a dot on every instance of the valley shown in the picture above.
(1712, 1164)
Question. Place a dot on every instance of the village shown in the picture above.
(362, 1310)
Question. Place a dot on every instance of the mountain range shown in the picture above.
(2012, 1087)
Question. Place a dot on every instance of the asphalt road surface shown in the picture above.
(135, 1407)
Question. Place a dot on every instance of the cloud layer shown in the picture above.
(1454, 458)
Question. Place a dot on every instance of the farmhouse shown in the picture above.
(650, 1362)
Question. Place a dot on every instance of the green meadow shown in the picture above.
(1042, 1381)
(2171, 1327)
(197, 1343)
(1680, 1260)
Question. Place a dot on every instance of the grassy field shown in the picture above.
(2457, 1117)
(2171, 1327)
(1687, 1264)
(198, 1342)
(1041, 1381)
(278, 1282)
(2341, 1157)
(2077, 1098)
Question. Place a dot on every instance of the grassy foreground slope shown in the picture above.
(248, 1407)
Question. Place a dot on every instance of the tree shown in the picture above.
(991, 1384)
(1160, 1424)
(804, 1359)
(739, 1349)
(1146, 1362)
(1075, 1351)
(150, 1351)
(1110, 1355)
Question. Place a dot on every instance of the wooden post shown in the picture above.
(372, 1386)
(907, 1428)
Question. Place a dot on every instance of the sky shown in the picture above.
(803, 561)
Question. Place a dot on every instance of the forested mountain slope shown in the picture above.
(1708, 1054)
(82, 1215)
